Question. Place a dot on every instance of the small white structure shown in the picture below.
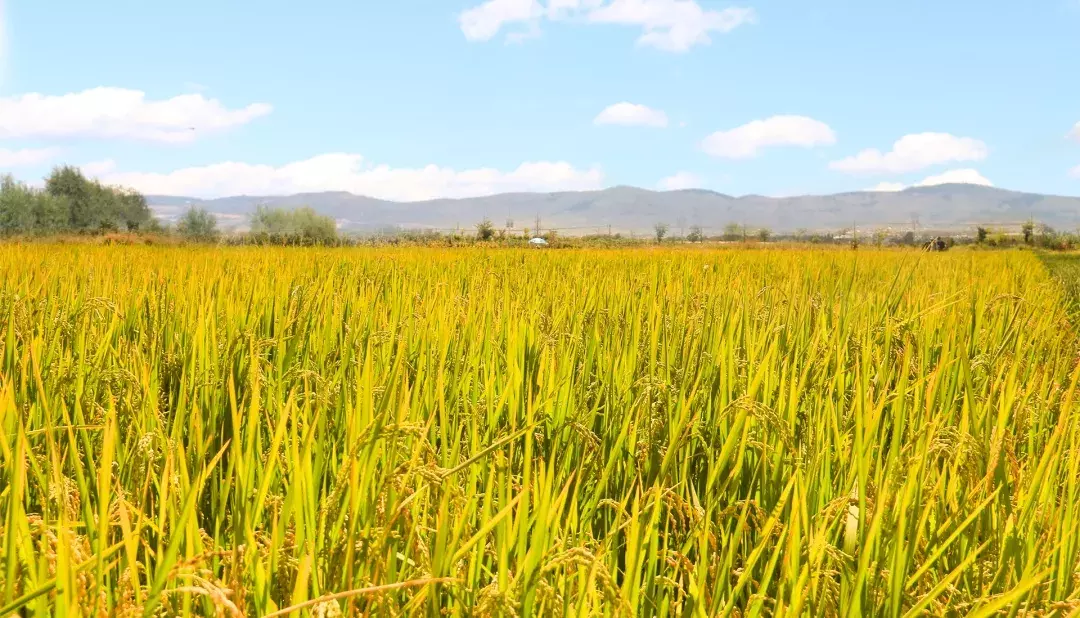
(538, 242)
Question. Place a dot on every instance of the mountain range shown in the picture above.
(633, 210)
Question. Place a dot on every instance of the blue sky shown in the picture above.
(422, 98)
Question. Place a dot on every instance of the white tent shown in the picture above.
(538, 242)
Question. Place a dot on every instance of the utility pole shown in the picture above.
(538, 224)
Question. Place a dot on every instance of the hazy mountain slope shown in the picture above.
(631, 209)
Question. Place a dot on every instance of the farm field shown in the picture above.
(1065, 268)
(484, 432)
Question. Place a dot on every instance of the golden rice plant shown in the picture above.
(482, 432)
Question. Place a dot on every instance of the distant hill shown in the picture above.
(629, 209)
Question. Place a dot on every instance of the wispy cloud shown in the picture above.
(348, 172)
(750, 139)
(961, 176)
(681, 180)
(26, 156)
(914, 152)
(668, 25)
(631, 114)
(120, 113)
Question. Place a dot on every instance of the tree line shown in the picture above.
(70, 202)
(269, 226)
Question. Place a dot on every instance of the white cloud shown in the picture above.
(888, 187)
(119, 113)
(964, 176)
(25, 156)
(681, 180)
(747, 141)
(483, 22)
(914, 152)
(669, 25)
(1075, 172)
(96, 169)
(1075, 133)
(961, 176)
(347, 172)
(672, 25)
(629, 114)
(561, 9)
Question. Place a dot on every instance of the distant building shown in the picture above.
(538, 242)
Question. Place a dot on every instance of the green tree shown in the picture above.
(90, 209)
(661, 230)
(133, 209)
(732, 231)
(695, 234)
(50, 213)
(154, 226)
(302, 226)
(314, 228)
(93, 207)
(197, 224)
(24, 210)
(267, 221)
(68, 183)
(69, 203)
(1028, 230)
(1047, 235)
(485, 230)
(980, 234)
(764, 234)
(16, 207)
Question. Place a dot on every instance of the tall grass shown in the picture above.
(485, 433)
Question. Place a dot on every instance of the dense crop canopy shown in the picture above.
(672, 433)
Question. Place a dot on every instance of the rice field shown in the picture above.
(1065, 268)
(483, 432)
